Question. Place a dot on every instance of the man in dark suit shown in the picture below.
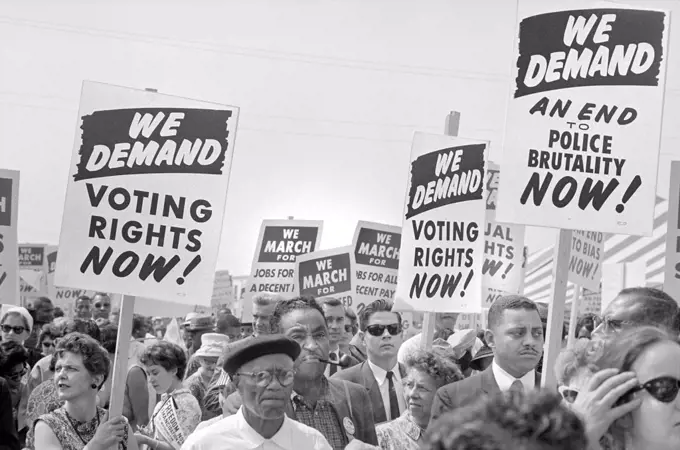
(340, 410)
(515, 335)
(335, 320)
(380, 374)
(9, 439)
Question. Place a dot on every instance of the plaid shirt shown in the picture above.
(321, 417)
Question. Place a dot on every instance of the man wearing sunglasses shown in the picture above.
(262, 370)
(380, 374)
(102, 306)
(515, 335)
(335, 320)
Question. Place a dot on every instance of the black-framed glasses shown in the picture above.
(615, 324)
(568, 394)
(664, 389)
(264, 378)
(16, 376)
(17, 330)
(378, 330)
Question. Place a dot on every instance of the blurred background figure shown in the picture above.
(101, 303)
(212, 347)
(263, 308)
(83, 308)
(194, 328)
(13, 368)
(228, 325)
(42, 313)
(585, 326)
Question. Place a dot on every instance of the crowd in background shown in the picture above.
(311, 373)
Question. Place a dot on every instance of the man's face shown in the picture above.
(381, 345)
(308, 328)
(622, 313)
(335, 319)
(261, 316)
(83, 308)
(102, 307)
(195, 339)
(266, 400)
(44, 311)
(517, 341)
(447, 320)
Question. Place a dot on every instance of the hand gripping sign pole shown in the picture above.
(450, 128)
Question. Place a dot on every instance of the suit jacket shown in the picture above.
(9, 440)
(356, 407)
(363, 375)
(463, 392)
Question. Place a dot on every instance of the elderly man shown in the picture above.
(261, 368)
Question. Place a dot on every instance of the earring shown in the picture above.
(94, 386)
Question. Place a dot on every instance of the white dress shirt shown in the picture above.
(234, 433)
(381, 378)
(505, 380)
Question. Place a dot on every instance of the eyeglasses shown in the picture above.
(615, 324)
(17, 330)
(378, 330)
(16, 376)
(664, 389)
(264, 378)
(568, 394)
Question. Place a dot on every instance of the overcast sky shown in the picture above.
(330, 93)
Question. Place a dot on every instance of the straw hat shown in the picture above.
(212, 345)
(200, 323)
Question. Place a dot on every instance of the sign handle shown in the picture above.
(450, 128)
(560, 273)
(120, 364)
(573, 317)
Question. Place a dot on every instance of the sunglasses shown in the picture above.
(16, 376)
(664, 389)
(17, 330)
(568, 394)
(378, 330)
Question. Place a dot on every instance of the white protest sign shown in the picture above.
(671, 283)
(325, 273)
(442, 242)
(167, 424)
(584, 119)
(585, 260)
(146, 194)
(9, 243)
(279, 244)
(503, 266)
(375, 262)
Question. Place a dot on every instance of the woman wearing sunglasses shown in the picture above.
(633, 400)
(16, 325)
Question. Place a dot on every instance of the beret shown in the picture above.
(241, 352)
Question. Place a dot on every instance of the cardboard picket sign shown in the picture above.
(587, 97)
(585, 262)
(325, 273)
(503, 267)
(442, 242)
(9, 240)
(146, 194)
(375, 254)
(279, 244)
(671, 283)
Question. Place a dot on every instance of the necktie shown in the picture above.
(517, 386)
(394, 403)
(333, 368)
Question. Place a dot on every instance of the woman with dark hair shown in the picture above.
(82, 366)
(643, 411)
(41, 370)
(427, 371)
(13, 364)
(165, 364)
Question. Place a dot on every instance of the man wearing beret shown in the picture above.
(261, 368)
(339, 409)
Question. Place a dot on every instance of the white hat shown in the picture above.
(462, 340)
(212, 345)
(23, 312)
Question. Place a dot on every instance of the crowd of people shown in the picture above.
(312, 374)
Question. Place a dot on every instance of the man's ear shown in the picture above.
(489, 338)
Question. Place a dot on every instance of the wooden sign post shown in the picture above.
(573, 317)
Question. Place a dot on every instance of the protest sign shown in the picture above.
(585, 261)
(279, 244)
(671, 283)
(587, 97)
(146, 194)
(167, 424)
(9, 244)
(375, 254)
(503, 266)
(32, 256)
(325, 273)
(442, 243)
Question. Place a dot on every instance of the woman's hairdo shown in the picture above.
(167, 355)
(95, 357)
(437, 364)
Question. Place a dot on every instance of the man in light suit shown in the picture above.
(380, 374)
(335, 320)
(515, 335)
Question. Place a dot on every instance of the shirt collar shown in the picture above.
(380, 374)
(505, 380)
(283, 438)
(410, 427)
